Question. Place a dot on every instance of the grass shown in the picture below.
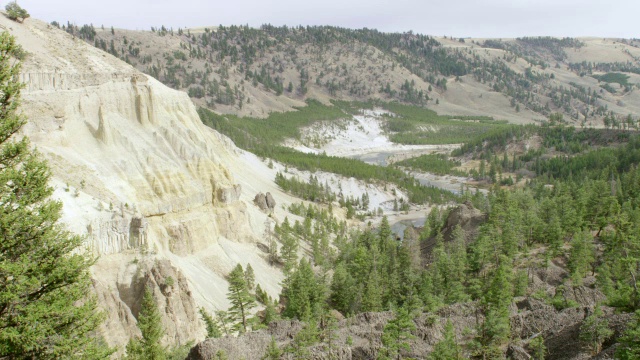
(413, 125)
(438, 164)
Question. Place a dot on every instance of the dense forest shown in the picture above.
(582, 211)
(574, 207)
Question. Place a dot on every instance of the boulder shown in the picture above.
(261, 201)
(271, 202)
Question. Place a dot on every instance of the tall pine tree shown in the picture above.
(241, 300)
(150, 324)
(46, 307)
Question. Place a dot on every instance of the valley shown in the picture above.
(322, 193)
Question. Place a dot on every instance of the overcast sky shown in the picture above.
(459, 18)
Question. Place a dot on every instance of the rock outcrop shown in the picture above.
(467, 217)
(265, 202)
(155, 192)
(529, 318)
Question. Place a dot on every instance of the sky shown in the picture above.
(458, 18)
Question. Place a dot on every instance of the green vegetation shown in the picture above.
(595, 330)
(263, 137)
(257, 134)
(15, 12)
(414, 125)
(241, 300)
(396, 335)
(438, 164)
(150, 325)
(613, 77)
(47, 308)
(213, 329)
(311, 191)
(630, 341)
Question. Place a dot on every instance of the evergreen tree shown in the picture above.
(47, 310)
(213, 330)
(396, 335)
(273, 351)
(495, 329)
(447, 348)
(581, 256)
(630, 341)
(305, 338)
(240, 298)
(342, 290)
(595, 330)
(289, 250)
(305, 294)
(250, 278)
(538, 348)
(15, 12)
(150, 324)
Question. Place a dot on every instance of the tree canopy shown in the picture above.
(47, 310)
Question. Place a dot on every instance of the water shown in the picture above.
(399, 227)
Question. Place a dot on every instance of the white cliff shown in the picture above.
(156, 193)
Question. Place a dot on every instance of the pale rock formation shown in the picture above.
(155, 192)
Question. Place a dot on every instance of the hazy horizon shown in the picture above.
(463, 18)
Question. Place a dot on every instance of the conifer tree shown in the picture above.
(305, 294)
(273, 351)
(240, 298)
(447, 348)
(47, 310)
(396, 335)
(250, 278)
(595, 330)
(15, 12)
(213, 330)
(150, 324)
(538, 348)
(630, 341)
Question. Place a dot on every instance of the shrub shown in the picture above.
(15, 12)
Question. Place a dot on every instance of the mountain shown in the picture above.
(251, 72)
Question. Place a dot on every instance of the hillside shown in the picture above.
(156, 194)
(397, 212)
(251, 72)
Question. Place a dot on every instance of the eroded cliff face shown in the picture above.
(142, 179)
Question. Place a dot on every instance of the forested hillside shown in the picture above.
(247, 71)
(549, 268)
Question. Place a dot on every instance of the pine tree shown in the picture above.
(305, 295)
(241, 300)
(396, 335)
(447, 348)
(250, 278)
(289, 251)
(342, 290)
(630, 341)
(595, 330)
(150, 324)
(581, 256)
(537, 346)
(47, 310)
(273, 351)
(213, 330)
(15, 12)
(495, 329)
